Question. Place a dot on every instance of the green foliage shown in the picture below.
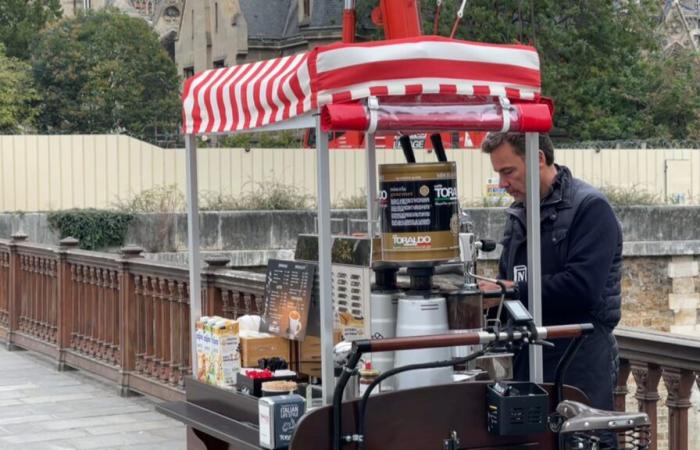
(22, 20)
(600, 61)
(105, 72)
(271, 139)
(158, 199)
(17, 95)
(96, 229)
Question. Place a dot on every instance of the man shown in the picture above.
(581, 243)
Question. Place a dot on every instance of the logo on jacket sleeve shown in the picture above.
(519, 273)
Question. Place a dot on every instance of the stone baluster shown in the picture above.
(620, 392)
(679, 384)
(647, 377)
(211, 295)
(14, 293)
(165, 354)
(65, 313)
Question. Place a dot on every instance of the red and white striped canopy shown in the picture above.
(263, 93)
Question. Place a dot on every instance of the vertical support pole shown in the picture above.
(193, 244)
(534, 268)
(371, 183)
(324, 261)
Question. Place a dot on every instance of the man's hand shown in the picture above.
(487, 287)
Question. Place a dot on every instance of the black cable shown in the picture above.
(397, 370)
(563, 364)
(347, 372)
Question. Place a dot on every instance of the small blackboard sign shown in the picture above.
(288, 288)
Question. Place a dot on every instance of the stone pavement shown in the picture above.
(43, 409)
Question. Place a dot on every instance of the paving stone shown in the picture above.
(42, 409)
(134, 426)
(57, 398)
(114, 440)
(24, 419)
(18, 387)
(174, 433)
(38, 437)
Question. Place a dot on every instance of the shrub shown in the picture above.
(96, 229)
(358, 201)
(216, 201)
(271, 195)
(158, 199)
(630, 196)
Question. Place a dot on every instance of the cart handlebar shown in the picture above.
(470, 338)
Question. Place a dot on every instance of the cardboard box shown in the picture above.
(255, 348)
(310, 349)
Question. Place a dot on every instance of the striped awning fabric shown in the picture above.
(258, 94)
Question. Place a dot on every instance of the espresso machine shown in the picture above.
(423, 233)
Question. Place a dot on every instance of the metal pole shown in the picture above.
(534, 268)
(193, 244)
(371, 183)
(323, 189)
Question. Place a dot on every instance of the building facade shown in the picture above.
(681, 25)
(163, 15)
(221, 33)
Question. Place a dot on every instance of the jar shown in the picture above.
(367, 377)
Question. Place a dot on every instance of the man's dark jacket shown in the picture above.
(581, 269)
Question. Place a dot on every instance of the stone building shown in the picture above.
(219, 33)
(162, 15)
(681, 25)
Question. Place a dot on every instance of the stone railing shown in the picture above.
(127, 319)
(651, 357)
(121, 317)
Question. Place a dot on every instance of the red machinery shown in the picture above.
(399, 19)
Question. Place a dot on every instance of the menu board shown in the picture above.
(288, 287)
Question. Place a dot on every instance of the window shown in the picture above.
(307, 9)
(188, 72)
(220, 63)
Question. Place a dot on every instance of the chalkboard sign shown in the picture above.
(288, 287)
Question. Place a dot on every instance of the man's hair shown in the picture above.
(517, 140)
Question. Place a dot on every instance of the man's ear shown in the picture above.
(543, 159)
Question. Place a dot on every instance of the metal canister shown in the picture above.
(419, 211)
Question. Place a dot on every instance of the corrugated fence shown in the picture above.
(58, 172)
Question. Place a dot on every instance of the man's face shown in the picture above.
(511, 170)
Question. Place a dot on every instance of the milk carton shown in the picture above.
(278, 417)
(228, 358)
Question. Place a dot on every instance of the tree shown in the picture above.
(105, 72)
(17, 95)
(600, 61)
(21, 20)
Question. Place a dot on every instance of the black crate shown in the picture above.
(253, 386)
(521, 409)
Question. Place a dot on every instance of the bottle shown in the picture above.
(367, 377)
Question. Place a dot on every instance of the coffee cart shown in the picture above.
(416, 84)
